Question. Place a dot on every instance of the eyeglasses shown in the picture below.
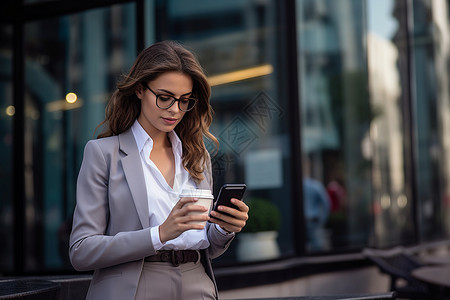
(166, 101)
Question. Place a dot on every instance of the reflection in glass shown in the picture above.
(431, 49)
(392, 203)
(72, 63)
(335, 115)
(235, 42)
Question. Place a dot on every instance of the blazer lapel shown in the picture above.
(134, 174)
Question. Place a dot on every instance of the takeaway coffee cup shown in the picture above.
(205, 198)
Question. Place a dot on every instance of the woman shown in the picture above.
(130, 225)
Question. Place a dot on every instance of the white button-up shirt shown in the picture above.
(161, 197)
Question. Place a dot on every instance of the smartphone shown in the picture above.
(228, 191)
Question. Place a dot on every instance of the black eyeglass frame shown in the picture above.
(173, 101)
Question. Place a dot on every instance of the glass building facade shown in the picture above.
(335, 111)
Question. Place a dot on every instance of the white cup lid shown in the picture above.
(198, 193)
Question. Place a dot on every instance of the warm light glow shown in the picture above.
(60, 105)
(10, 110)
(385, 201)
(402, 201)
(71, 98)
(240, 75)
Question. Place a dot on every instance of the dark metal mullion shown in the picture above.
(140, 25)
(161, 20)
(403, 11)
(288, 22)
(18, 171)
(409, 105)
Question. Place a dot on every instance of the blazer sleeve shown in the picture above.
(91, 245)
(218, 241)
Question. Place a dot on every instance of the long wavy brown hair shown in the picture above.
(124, 106)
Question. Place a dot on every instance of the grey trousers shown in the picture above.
(160, 280)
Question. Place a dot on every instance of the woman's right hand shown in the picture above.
(178, 220)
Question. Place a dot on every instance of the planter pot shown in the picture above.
(257, 246)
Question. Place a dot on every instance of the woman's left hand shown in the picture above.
(237, 219)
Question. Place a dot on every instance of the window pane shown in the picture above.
(81, 54)
(6, 144)
(389, 129)
(236, 44)
(335, 117)
(432, 111)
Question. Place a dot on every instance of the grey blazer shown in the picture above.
(110, 232)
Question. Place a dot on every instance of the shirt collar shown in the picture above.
(176, 142)
(141, 137)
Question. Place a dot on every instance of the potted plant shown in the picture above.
(258, 239)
